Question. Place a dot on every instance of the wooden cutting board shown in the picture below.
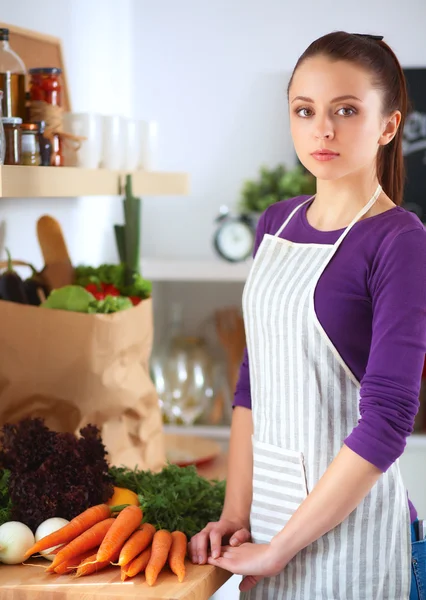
(31, 583)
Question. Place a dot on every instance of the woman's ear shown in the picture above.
(391, 127)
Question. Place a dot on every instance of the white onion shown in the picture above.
(46, 528)
(15, 539)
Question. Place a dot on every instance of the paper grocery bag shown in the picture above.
(72, 369)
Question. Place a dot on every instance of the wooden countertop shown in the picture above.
(21, 582)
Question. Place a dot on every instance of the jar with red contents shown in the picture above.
(46, 87)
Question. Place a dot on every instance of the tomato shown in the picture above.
(110, 289)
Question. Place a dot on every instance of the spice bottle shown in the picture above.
(12, 135)
(45, 105)
(45, 145)
(30, 154)
(12, 78)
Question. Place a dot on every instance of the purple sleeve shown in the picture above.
(391, 384)
(242, 395)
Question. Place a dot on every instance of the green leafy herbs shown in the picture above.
(5, 500)
(177, 498)
(116, 275)
(273, 185)
(110, 304)
(51, 474)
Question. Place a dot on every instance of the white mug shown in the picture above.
(132, 144)
(85, 125)
(113, 146)
(149, 151)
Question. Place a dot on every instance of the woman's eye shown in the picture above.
(304, 112)
(346, 111)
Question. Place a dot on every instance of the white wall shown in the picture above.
(214, 75)
(98, 48)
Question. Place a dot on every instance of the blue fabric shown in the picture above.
(418, 565)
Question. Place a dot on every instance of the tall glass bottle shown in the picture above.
(183, 373)
(12, 79)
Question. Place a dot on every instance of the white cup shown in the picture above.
(113, 144)
(132, 144)
(149, 150)
(89, 153)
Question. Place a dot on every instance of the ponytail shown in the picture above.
(390, 159)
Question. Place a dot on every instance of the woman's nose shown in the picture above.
(324, 130)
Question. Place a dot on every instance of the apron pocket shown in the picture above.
(279, 487)
(418, 563)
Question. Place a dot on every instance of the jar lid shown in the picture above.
(45, 71)
(41, 125)
(29, 127)
(12, 120)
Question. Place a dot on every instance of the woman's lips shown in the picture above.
(322, 155)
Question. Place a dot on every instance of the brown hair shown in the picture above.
(374, 55)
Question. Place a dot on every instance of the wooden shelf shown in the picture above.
(66, 182)
(194, 270)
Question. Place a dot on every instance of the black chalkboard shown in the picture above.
(414, 144)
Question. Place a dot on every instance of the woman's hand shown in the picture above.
(215, 534)
(255, 561)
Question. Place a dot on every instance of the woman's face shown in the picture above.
(334, 107)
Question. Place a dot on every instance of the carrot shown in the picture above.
(88, 540)
(177, 554)
(71, 564)
(71, 530)
(91, 565)
(160, 551)
(125, 524)
(137, 542)
(137, 565)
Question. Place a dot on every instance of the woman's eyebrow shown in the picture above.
(338, 99)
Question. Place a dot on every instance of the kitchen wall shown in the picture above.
(214, 75)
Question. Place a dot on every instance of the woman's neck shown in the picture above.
(337, 202)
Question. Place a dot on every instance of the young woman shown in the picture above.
(335, 317)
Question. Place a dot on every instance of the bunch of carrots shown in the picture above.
(96, 539)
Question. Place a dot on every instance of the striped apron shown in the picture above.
(305, 401)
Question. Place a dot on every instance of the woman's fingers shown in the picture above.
(216, 541)
(213, 535)
(240, 537)
(198, 545)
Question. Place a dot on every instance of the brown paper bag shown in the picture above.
(72, 369)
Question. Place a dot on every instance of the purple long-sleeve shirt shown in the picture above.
(371, 302)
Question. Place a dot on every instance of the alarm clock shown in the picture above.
(234, 237)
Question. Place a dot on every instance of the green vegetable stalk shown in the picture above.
(127, 236)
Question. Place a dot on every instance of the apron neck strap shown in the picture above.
(360, 214)
(293, 212)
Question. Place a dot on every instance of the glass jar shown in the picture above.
(183, 375)
(46, 87)
(12, 78)
(30, 147)
(12, 134)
